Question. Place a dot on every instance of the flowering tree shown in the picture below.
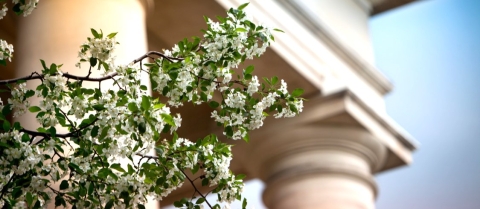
(112, 154)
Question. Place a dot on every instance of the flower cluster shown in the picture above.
(98, 49)
(208, 65)
(3, 11)
(114, 153)
(24, 7)
(6, 51)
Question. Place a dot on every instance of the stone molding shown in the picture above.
(347, 154)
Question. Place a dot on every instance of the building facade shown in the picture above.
(324, 158)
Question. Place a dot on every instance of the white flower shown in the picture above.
(253, 86)
(3, 12)
(28, 7)
(6, 50)
(283, 87)
(100, 48)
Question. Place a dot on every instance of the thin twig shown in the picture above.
(193, 184)
(171, 59)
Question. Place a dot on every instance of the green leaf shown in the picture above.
(95, 33)
(142, 128)
(29, 93)
(93, 61)
(229, 131)
(90, 188)
(44, 65)
(111, 35)
(53, 68)
(177, 204)
(17, 192)
(205, 182)
(158, 106)
(16, 9)
(130, 169)
(126, 197)
(249, 69)
(278, 30)
(140, 206)
(213, 104)
(25, 138)
(59, 201)
(143, 87)
(29, 198)
(240, 176)
(145, 102)
(244, 203)
(117, 167)
(103, 173)
(200, 201)
(297, 92)
(6, 126)
(94, 131)
(75, 167)
(64, 185)
(132, 107)
(52, 131)
(34, 109)
(88, 91)
(168, 119)
(240, 30)
(293, 108)
(104, 133)
(246, 138)
(241, 7)
(7, 109)
(274, 80)
(109, 204)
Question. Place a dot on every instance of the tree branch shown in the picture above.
(171, 59)
(194, 187)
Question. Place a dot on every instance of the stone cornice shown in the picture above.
(320, 110)
(380, 6)
(303, 52)
(367, 71)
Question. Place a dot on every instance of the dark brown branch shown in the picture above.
(32, 76)
(36, 75)
(48, 135)
(147, 156)
(196, 189)
(6, 186)
(86, 78)
(171, 59)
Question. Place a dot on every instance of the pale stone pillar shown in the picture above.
(57, 28)
(319, 167)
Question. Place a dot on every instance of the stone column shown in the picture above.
(57, 28)
(319, 167)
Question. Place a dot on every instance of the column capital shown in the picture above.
(314, 158)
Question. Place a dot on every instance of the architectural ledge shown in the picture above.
(366, 70)
(399, 142)
(380, 6)
(345, 109)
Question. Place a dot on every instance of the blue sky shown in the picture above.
(431, 52)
